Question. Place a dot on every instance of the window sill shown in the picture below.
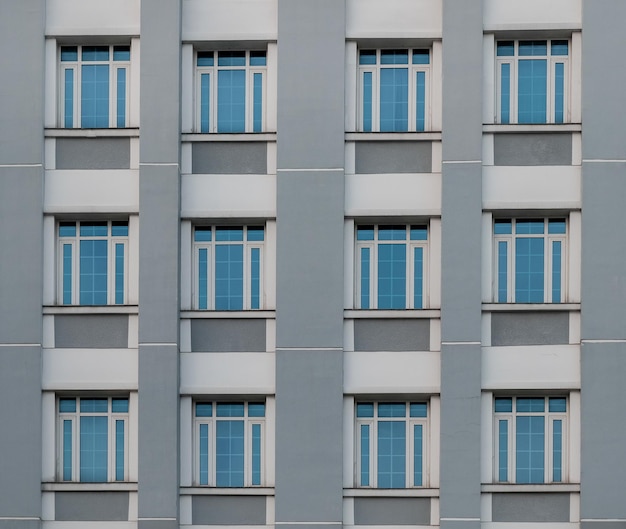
(540, 487)
(391, 314)
(393, 136)
(91, 309)
(391, 493)
(228, 314)
(244, 136)
(85, 487)
(525, 307)
(92, 133)
(541, 127)
(214, 491)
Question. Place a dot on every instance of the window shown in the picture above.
(392, 266)
(530, 260)
(93, 439)
(93, 263)
(94, 86)
(533, 82)
(392, 444)
(228, 267)
(394, 90)
(230, 91)
(530, 439)
(229, 442)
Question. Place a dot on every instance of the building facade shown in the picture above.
(312, 263)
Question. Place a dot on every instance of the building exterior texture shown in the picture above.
(312, 263)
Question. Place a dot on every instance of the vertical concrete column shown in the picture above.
(461, 264)
(21, 260)
(603, 355)
(159, 207)
(310, 206)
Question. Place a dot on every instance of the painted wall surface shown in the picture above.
(532, 14)
(393, 19)
(92, 17)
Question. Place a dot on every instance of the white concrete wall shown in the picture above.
(532, 14)
(393, 19)
(92, 17)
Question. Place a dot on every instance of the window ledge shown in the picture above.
(99, 309)
(525, 307)
(391, 314)
(228, 314)
(393, 136)
(543, 127)
(214, 491)
(92, 133)
(248, 136)
(542, 487)
(85, 487)
(396, 493)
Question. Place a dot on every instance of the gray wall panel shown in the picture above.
(158, 524)
(602, 524)
(228, 335)
(392, 335)
(92, 153)
(91, 506)
(229, 158)
(530, 507)
(392, 511)
(529, 328)
(228, 510)
(20, 524)
(532, 149)
(379, 157)
(91, 330)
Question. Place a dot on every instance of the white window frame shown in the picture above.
(550, 95)
(213, 100)
(550, 417)
(75, 67)
(74, 417)
(547, 262)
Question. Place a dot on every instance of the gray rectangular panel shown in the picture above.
(229, 158)
(532, 149)
(379, 157)
(91, 506)
(91, 330)
(158, 524)
(228, 510)
(529, 328)
(392, 511)
(530, 507)
(392, 335)
(228, 335)
(92, 153)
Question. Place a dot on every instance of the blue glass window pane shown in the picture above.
(93, 272)
(229, 409)
(69, 53)
(224, 233)
(205, 58)
(418, 278)
(229, 277)
(503, 271)
(231, 58)
(505, 93)
(255, 278)
(394, 57)
(367, 102)
(556, 271)
(419, 233)
(94, 229)
(418, 409)
(365, 278)
(529, 270)
(392, 276)
(392, 409)
(94, 405)
(67, 229)
(365, 409)
(365, 233)
(533, 48)
(119, 450)
(202, 233)
(256, 409)
(557, 404)
(119, 405)
(365, 455)
(95, 53)
(119, 274)
(418, 455)
(68, 100)
(119, 228)
(256, 454)
(257, 105)
(506, 48)
(532, 87)
(391, 454)
(503, 450)
(258, 58)
(530, 226)
(121, 97)
(421, 56)
(559, 91)
(231, 100)
(504, 404)
(530, 405)
(255, 233)
(529, 449)
(204, 409)
(204, 454)
(229, 453)
(94, 111)
(121, 53)
(394, 99)
(67, 450)
(93, 448)
(556, 226)
(67, 405)
(420, 101)
(392, 233)
(203, 278)
(67, 274)
(557, 451)
(559, 47)
(502, 227)
(205, 101)
(367, 57)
